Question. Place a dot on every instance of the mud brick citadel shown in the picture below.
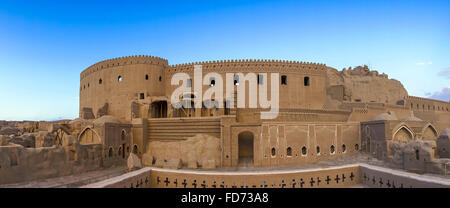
(127, 119)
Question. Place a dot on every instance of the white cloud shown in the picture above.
(445, 73)
(424, 63)
(443, 95)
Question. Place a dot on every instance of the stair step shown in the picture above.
(179, 129)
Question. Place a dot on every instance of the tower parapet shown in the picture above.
(125, 60)
(255, 64)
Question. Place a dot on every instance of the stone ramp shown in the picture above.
(180, 128)
(70, 181)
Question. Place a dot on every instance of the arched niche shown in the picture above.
(245, 148)
(403, 135)
(89, 136)
(429, 133)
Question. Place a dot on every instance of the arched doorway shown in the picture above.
(158, 109)
(123, 150)
(245, 142)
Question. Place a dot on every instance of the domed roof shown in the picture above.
(446, 132)
(412, 118)
(106, 119)
(385, 116)
(77, 120)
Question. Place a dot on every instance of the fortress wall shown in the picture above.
(335, 177)
(292, 95)
(426, 104)
(343, 176)
(379, 177)
(20, 164)
(291, 115)
(135, 179)
(309, 136)
(272, 142)
(434, 111)
(99, 84)
(324, 177)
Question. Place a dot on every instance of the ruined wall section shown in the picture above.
(362, 85)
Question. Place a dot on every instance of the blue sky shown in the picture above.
(45, 45)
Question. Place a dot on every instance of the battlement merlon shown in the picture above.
(250, 63)
(120, 61)
(144, 59)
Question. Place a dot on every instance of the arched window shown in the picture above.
(236, 80)
(304, 150)
(110, 152)
(100, 81)
(318, 150)
(160, 78)
(119, 79)
(119, 152)
(212, 81)
(417, 154)
(344, 148)
(135, 149)
(332, 150)
(123, 135)
(356, 147)
(274, 152)
(289, 151)
(306, 81)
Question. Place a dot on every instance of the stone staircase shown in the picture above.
(180, 128)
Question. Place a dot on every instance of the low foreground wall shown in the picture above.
(333, 177)
(374, 176)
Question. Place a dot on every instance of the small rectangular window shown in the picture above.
(142, 96)
(284, 80)
(212, 81)
(306, 81)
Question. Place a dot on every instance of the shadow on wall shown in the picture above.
(200, 150)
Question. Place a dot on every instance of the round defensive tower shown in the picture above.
(112, 84)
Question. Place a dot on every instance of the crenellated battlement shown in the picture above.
(414, 98)
(250, 63)
(217, 65)
(125, 60)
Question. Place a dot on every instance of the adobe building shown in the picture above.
(126, 107)
(323, 113)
